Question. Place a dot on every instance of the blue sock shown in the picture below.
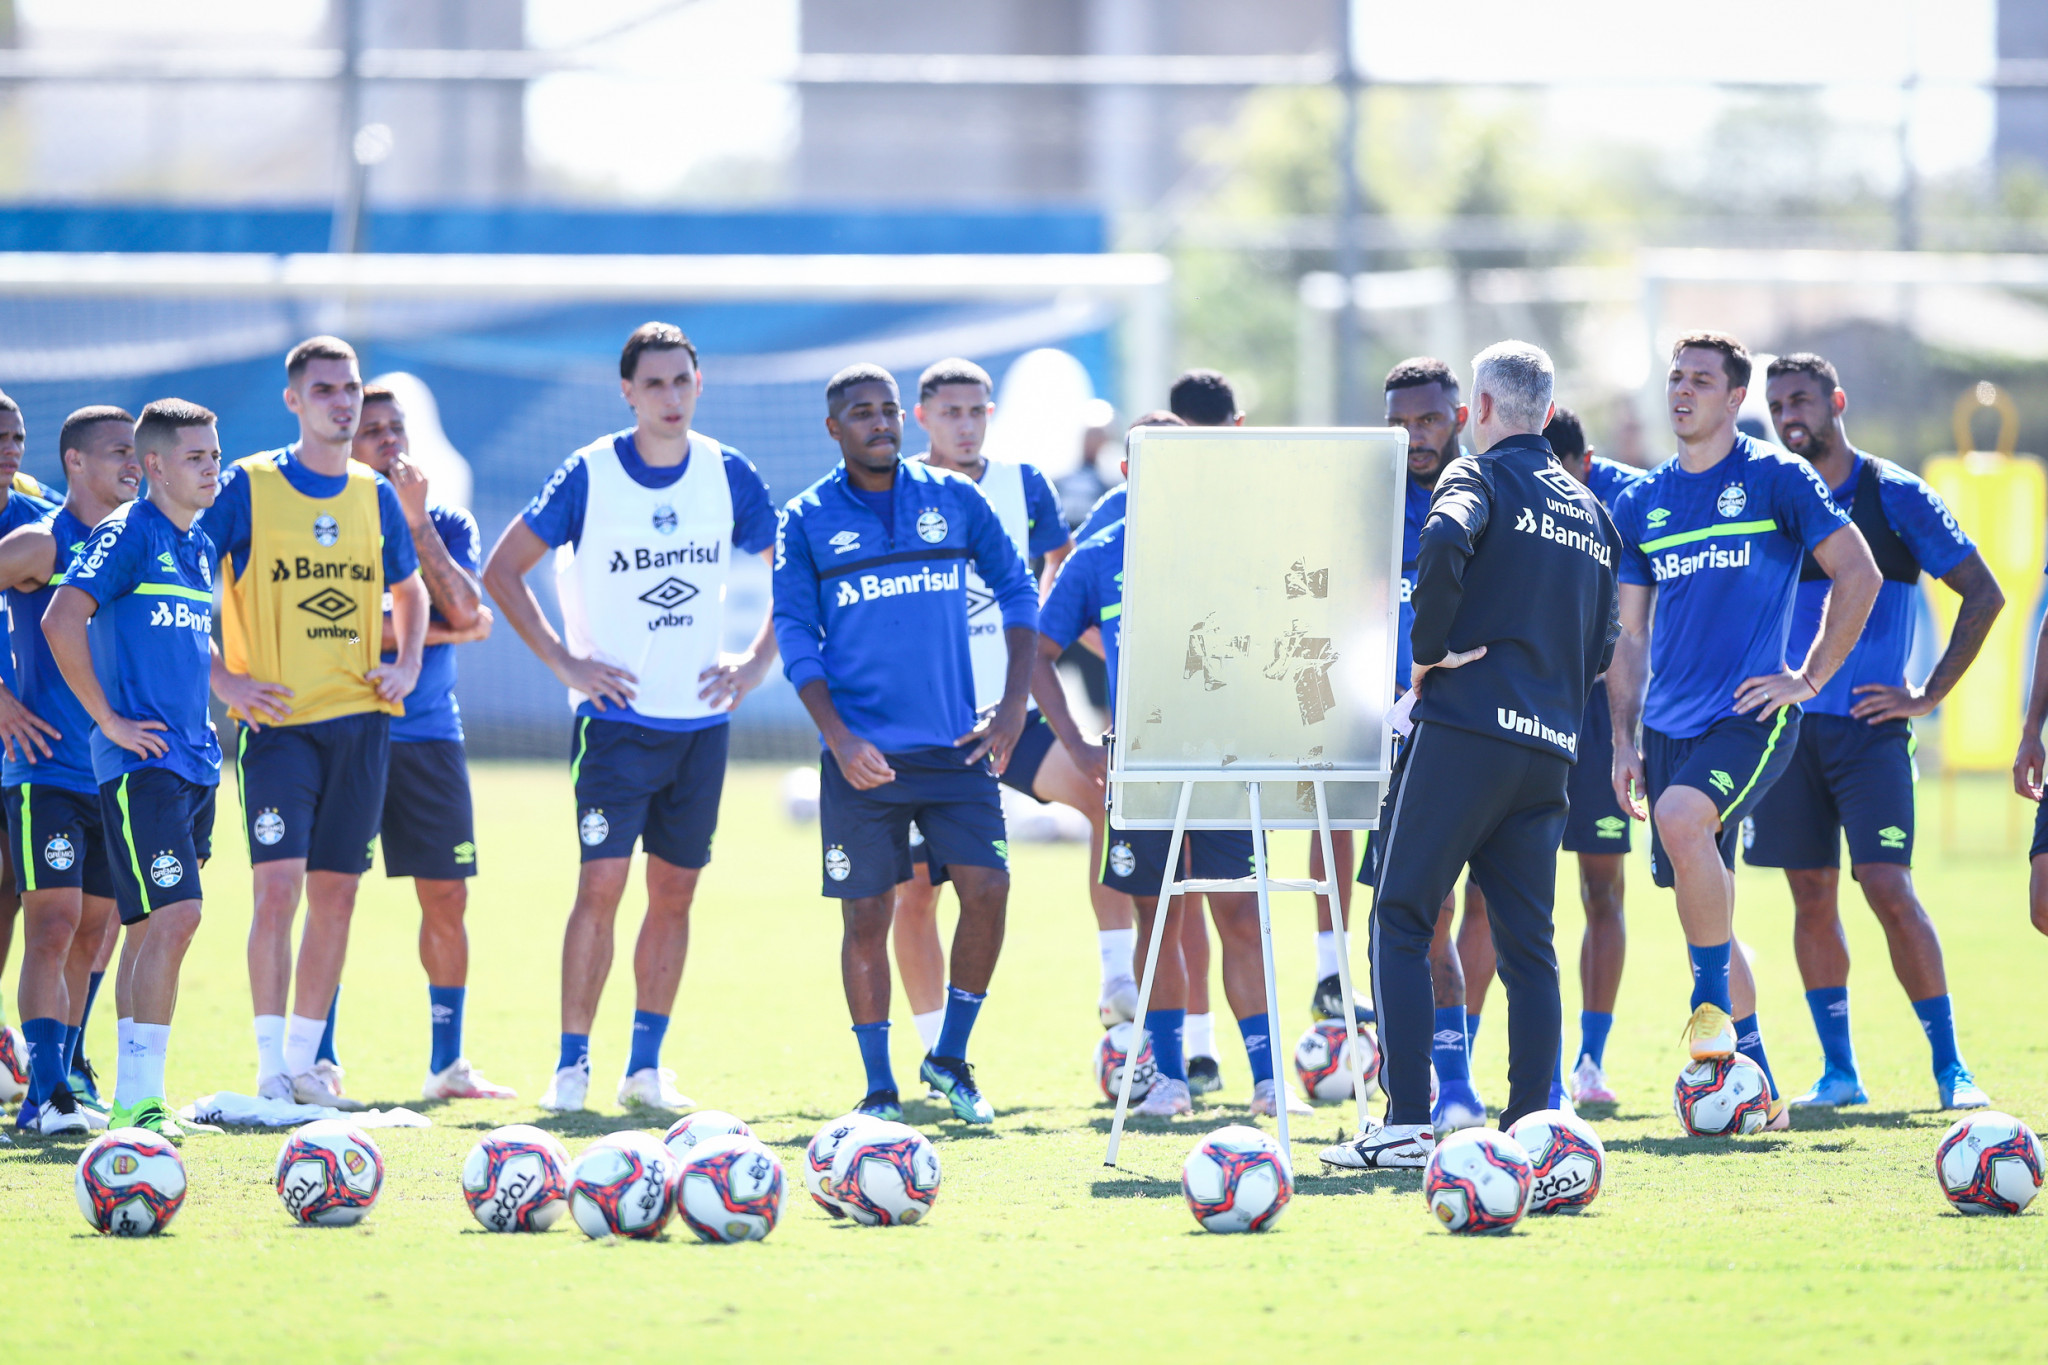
(326, 1052)
(1749, 1041)
(1447, 1046)
(1830, 1009)
(874, 1055)
(1593, 1029)
(71, 1037)
(962, 1009)
(92, 992)
(46, 1059)
(1710, 975)
(1258, 1047)
(649, 1029)
(1165, 1027)
(1471, 1031)
(575, 1052)
(1938, 1021)
(444, 1007)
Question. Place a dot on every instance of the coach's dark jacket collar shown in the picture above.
(1528, 440)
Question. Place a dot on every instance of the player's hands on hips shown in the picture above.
(138, 737)
(2027, 766)
(731, 678)
(257, 701)
(601, 682)
(1881, 703)
(1093, 761)
(861, 763)
(394, 681)
(1769, 693)
(995, 737)
(409, 481)
(1631, 787)
(22, 731)
(1451, 659)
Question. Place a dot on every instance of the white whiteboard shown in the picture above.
(1261, 601)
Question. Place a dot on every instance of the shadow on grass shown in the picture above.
(1753, 1145)
(1399, 1182)
(1826, 1120)
(1133, 1186)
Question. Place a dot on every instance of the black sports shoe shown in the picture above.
(1203, 1076)
(881, 1104)
(1329, 1001)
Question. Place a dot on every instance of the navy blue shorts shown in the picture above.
(1596, 822)
(1134, 860)
(57, 840)
(315, 791)
(1033, 744)
(2040, 832)
(866, 834)
(660, 787)
(159, 834)
(1847, 776)
(429, 827)
(1735, 761)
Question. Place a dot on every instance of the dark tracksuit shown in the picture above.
(1516, 556)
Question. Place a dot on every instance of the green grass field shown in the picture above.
(1830, 1242)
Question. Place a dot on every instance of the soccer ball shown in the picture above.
(13, 1064)
(818, 1161)
(1322, 1060)
(1478, 1180)
(1722, 1097)
(329, 1173)
(731, 1189)
(885, 1174)
(623, 1185)
(686, 1132)
(1988, 1162)
(1112, 1052)
(1237, 1180)
(130, 1182)
(517, 1179)
(1567, 1156)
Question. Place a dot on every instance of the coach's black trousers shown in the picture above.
(1459, 798)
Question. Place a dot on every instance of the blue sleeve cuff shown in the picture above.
(802, 671)
(1023, 613)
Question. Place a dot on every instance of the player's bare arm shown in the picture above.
(28, 557)
(454, 592)
(2032, 759)
(409, 610)
(996, 736)
(64, 627)
(729, 680)
(1627, 675)
(1983, 599)
(860, 762)
(1845, 557)
(512, 558)
(257, 701)
(1051, 696)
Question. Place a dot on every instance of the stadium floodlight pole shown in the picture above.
(1349, 404)
(347, 231)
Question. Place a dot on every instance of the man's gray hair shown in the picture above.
(1521, 379)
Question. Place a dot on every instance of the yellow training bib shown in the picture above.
(308, 611)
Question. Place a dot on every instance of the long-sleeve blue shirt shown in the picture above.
(880, 612)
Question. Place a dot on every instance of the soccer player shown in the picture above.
(429, 829)
(131, 629)
(53, 800)
(311, 541)
(644, 524)
(871, 613)
(1712, 541)
(954, 406)
(21, 501)
(1852, 771)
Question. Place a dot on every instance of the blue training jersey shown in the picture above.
(1108, 509)
(1090, 592)
(41, 686)
(19, 510)
(1609, 479)
(1723, 549)
(1922, 520)
(556, 516)
(227, 522)
(881, 614)
(1045, 530)
(431, 712)
(1415, 511)
(152, 636)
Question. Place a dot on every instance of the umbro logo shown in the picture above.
(1658, 516)
(1610, 826)
(669, 593)
(844, 541)
(979, 600)
(1558, 482)
(1891, 836)
(329, 604)
(1720, 781)
(169, 564)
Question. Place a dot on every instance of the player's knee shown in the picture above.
(867, 918)
(1686, 819)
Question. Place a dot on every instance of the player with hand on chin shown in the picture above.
(871, 615)
(1712, 544)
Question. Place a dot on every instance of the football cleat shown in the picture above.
(567, 1092)
(653, 1087)
(278, 1087)
(331, 1072)
(1779, 1117)
(153, 1115)
(1168, 1098)
(61, 1114)
(85, 1083)
(311, 1088)
(1263, 1105)
(1710, 1034)
(954, 1078)
(1833, 1090)
(1457, 1106)
(1203, 1075)
(1959, 1089)
(1329, 1001)
(1589, 1083)
(881, 1104)
(460, 1081)
(27, 1117)
(1384, 1146)
(13, 1064)
(1119, 1002)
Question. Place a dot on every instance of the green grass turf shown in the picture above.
(1830, 1242)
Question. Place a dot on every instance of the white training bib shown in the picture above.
(645, 588)
(1002, 483)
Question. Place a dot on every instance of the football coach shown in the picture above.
(1515, 604)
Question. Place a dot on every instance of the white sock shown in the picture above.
(1199, 1035)
(1326, 954)
(928, 1025)
(153, 1044)
(270, 1046)
(124, 1066)
(1118, 947)
(301, 1041)
(121, 1030)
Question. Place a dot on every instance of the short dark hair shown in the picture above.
(954, 371)
(1159, 417)
(162, 420)
(653, 336)
(1418, 370)
(378, 393)
(1202, 398)
(1734, 355)
(1566, 434)
(1805, 362)
(852, 377)
(312, 349)
(77, 422)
